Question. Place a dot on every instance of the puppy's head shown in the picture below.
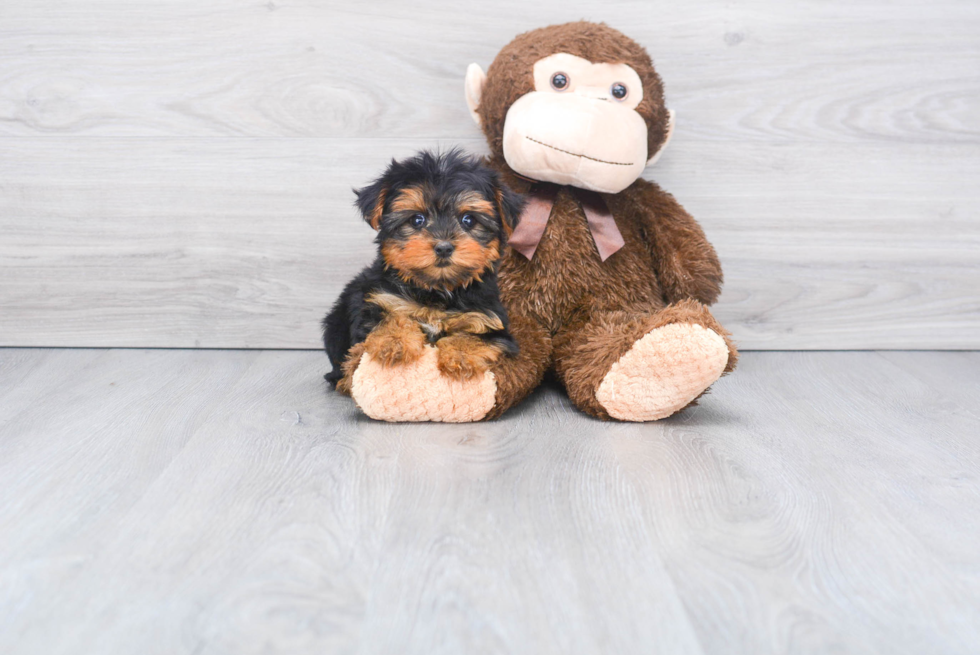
(442, 220)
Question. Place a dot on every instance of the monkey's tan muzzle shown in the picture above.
(585, 142)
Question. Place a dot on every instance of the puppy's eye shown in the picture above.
(559, 81)
(418, 220)
(619, 91)
(467, 221)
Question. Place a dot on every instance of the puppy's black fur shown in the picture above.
(418, 207)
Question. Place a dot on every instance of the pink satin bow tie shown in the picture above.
(527, 235)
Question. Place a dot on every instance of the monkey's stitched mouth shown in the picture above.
(601, 161)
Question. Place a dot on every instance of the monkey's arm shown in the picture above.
(686, 263)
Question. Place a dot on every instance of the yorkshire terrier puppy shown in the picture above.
(442, 223)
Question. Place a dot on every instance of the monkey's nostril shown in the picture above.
(444, 248)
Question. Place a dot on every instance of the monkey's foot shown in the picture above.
(419, 392)
(665, 370)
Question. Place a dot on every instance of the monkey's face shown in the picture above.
(579, 126)
(578, 103)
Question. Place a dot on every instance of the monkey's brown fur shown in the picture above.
(568, 309)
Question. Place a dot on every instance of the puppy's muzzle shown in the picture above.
(443, 250)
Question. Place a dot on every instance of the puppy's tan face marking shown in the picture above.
(374, 220)
(410, 199)
(472, 202)
(465, 221)
(476, 256)
(499, 199)
(417, 252)
(416, 262)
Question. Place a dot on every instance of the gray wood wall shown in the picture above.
(178, 173)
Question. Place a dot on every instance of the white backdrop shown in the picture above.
(178, 174)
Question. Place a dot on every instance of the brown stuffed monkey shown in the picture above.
(608, 279)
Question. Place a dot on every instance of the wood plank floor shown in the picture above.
(224, 502)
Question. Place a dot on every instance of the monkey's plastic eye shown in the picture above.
(418, 220)
(619, 91)
(466, 221)
(559, 81)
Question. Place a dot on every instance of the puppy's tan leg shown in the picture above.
(348, 367)
(464, 357)
(397, 340)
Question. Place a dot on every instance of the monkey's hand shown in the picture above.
(397, 340)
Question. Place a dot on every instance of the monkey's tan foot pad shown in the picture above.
(419, 392)
(665, 370)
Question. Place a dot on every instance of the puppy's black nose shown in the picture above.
(444, 248)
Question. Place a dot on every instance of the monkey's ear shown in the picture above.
(475, 79)
(510, 204)
(663, 146)
(371, 202)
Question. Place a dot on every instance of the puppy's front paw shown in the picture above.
(392, 346)
(465, 357)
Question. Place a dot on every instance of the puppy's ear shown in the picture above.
(371, 201)
(510, 204)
